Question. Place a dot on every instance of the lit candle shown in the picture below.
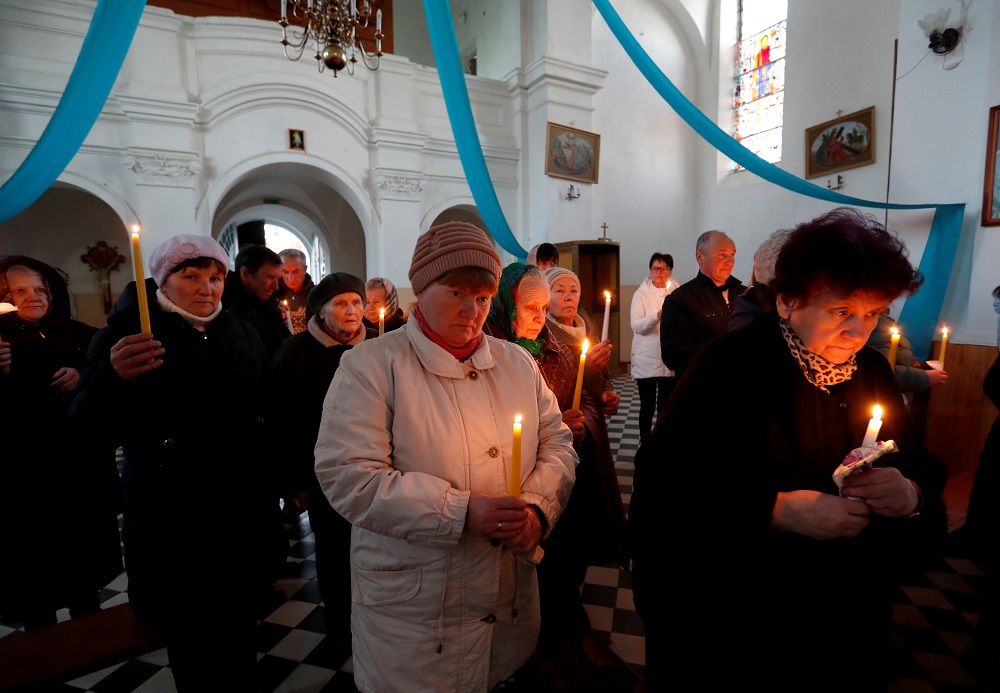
(944, 343)
(288, 316)
(514, 486)
(607, 315)
(140, 281)
(381, 321)
(893, 346)
(874, 424)
(579, 376)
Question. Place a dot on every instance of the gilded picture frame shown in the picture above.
(840, 144)
(572, 154)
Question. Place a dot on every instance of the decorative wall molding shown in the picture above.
(175, 169)
(401, 185)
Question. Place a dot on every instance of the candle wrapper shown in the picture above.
(861, 460)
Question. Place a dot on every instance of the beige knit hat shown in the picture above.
(449, 246)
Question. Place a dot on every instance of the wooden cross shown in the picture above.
(839, 113)
(605, 227)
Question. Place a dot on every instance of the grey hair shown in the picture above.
(293, 253)
(767, 255)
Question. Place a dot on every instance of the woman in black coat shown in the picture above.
(58, 507)
(187, 403)
(773, 577)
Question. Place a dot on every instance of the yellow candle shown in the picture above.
(607, 315)
(140, 281)
(579, 376)
(874, 424)
(893, 346)
(514, 486)
(381, 322)
(944, 343)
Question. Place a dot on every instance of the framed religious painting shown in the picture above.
(572, 154)
(991, 183)
(297, 140)
(842, 143)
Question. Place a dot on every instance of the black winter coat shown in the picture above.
(59, 498)
(743, 425)
(693, 314)
(200, 490)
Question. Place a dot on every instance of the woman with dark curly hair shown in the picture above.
(790, 580)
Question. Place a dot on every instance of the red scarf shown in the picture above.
(333, 334)
(461, 353)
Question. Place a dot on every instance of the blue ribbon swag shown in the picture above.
(101, 57)
(112, 30)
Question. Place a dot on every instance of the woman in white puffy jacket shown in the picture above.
(654, 380)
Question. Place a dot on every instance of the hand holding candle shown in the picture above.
(893, 346)
(514, 484)
(874, 424)
(140, 281)
(607, 315)
(579, 375)
(381, 321)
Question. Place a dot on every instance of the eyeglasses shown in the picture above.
(658, 270)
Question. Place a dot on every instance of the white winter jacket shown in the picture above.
(408, 431)
(644, 316)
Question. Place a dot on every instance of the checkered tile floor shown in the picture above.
(935, 614)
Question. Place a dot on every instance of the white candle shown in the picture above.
(381, 321)
(288, 316)
(874, 424)
(378, 21)
(607, 315)
(514, 484)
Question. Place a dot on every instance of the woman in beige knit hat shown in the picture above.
(416, 449)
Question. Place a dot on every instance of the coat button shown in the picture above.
(168, 443)
(473, 375)
(494, 451)
(490, 618)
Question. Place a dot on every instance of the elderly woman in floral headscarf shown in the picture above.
(591, 530)
(380, 293)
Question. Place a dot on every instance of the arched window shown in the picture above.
(759, 94)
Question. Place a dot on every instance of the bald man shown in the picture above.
(699, 310)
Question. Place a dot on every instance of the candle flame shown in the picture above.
(135, 229)
(607, 295)
(517, 419)
(586, 345)
(381, 312)
(877, 412)
(285, 302)
(944, 331)
(894, 330)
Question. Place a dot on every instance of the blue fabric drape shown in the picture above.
(456, 98)
(101, 57)
(921, 311)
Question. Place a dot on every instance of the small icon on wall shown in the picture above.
(297, 140)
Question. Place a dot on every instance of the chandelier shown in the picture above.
(331, 28)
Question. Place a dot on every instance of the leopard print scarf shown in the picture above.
(817, 369)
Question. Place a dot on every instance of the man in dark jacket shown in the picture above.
(699, 310)
(250, 294)
(293, 288)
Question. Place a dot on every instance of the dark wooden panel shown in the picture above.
(265, 9)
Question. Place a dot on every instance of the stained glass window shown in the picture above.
(759, 93)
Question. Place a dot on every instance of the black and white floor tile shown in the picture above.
(936, 612)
